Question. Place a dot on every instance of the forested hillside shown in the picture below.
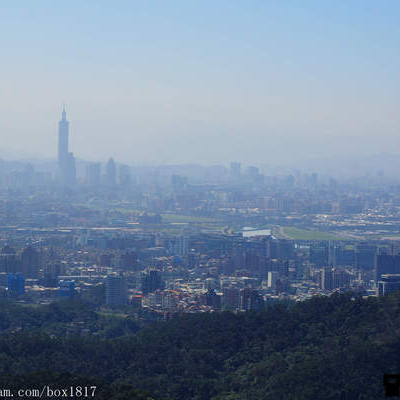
(324, 348)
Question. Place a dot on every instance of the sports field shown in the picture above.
(305, 234)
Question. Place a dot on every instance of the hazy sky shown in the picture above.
(201, 81)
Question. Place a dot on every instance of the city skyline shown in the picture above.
(335, 164)
(200, 200)
(186, 83)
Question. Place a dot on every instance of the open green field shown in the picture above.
(111, 314)
(304, 234)
(174, 218)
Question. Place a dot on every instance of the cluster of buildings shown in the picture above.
(67, 174)
(157, 275)
(165, 240)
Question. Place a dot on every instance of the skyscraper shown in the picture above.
(63, 131)
(66, 160)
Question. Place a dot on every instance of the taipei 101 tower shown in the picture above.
(66, 160)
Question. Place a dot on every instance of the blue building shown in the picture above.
(389, 283)
(66, 289)
(15, 284)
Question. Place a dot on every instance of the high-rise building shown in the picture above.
(231, 298)
(111, 172)
(66, 160)
(327, 279)
(30, 262)
(63, 132)
(15, 284)
(365, 256)
(389, 283)
(116, 293)
(253, 172)
(9, 261)
(129, 260)
(319, 254)
(394, 248)
(151, 281)
(235, 169)
(70, 170)
(178, 246)
(93, 174)
(273, 277)
(386, 264)
(251, 299)
(212, 299)
(178, 182)
(124, 175)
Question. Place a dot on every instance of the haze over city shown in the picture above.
(206, 82)
(200, 200)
